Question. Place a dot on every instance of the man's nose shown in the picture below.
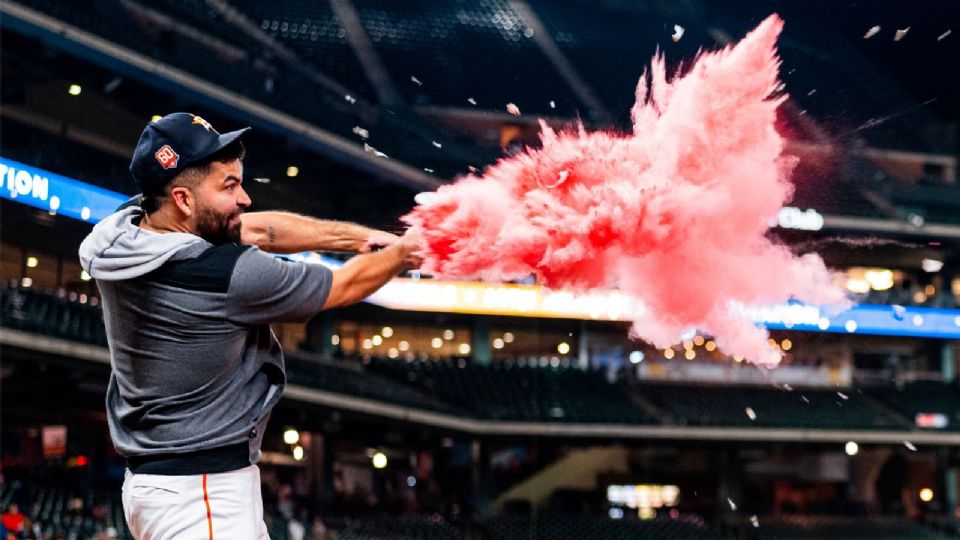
(243, 201)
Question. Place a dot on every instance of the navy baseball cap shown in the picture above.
(173, 143)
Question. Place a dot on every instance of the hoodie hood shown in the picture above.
(118, 249)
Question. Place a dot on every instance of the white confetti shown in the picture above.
(438, 145)
(425, 197)
(677, 33)
(415, 81)
(513, 109)
(843, 396)
(901, 34)
(371, 150)
(899, 312)
(910, 446)
(361, 132)
(350, 99)
(812, 92)
(872, 32)
(780, 87)
(553, 105)
(262, 180)
(804, 399)
(750, 414)
(787, 387)
(944, 35)
(473, 169)
(427, 170)
(563, 176)
(733, 505)
(471, 101)
(754, 521)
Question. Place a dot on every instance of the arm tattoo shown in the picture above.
(271, 234)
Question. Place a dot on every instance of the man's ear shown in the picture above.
(184, 199)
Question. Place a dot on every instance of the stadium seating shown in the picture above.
(74, 514)
(59, 314)
(771, 407)
(505, 392)
(582, 528)
(841, 528)
(351, 380)
(924, 397)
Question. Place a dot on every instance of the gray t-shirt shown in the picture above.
(195, 364)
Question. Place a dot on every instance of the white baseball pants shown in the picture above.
(218, 506)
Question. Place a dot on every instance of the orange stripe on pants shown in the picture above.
(206, 501)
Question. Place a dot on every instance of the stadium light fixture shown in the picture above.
(386, 331)
(298, 453)
(508, 337)
(436, 343)
(377, 340)
(291, 436)
(851, 448)
(32, 262)
(448, 334)
(563, 348)
(292, 171)
(498, 343)
(926, 494)
(464, 348)
(74, 90)
(379, 460)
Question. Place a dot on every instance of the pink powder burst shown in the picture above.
(674, 214)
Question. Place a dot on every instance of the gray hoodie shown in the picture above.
(195, 365)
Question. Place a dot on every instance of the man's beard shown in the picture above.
(216, 228)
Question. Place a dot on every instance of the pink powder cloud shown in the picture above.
(675, 213)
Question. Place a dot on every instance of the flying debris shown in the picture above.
(513, 109)
(361, 132)
(901, 34)
(872, 32)
(677, 33)
(371, 150)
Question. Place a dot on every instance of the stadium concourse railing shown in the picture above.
(505, 399)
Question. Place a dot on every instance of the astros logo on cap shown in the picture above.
(167, 157)
(206, 125)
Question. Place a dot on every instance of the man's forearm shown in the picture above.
(362, 275)
(284, 232)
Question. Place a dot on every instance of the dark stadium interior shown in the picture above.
(464, 424)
